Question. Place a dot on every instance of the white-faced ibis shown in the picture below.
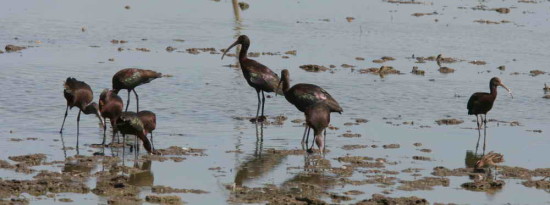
(130, 78)
(129, 123)
(318, 118)
(480, 103)
(79, 94)
(258, 76)
(149, 120)
(304, 95)
(110, 106)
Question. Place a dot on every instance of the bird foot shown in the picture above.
(99, 154)
(310, 150)
(258, 119)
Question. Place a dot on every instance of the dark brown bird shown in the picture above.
(110, 106)
(130, 124)
(304, 95)
(318, 118)
(130, 78)
(79, 94)
(149, 120)
(258, 76)
(480, 103)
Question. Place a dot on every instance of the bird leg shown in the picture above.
(263, 105)
(307, 136)
(325, 140)
(304, 136)
(484, 133)
(479, 133)
(128, 101)
(152, 143)
(259, 104)
(77, 128)
(137, 100)
(66, 112)
(104, 132)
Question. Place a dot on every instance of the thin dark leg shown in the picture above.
(137, 100)
(66, 112)
(77, 128)
(304, 136)
(479, 133)
(263, 103)
(325, 140)
(104, 132)
(128, 101)
(259, 104)
(484, 133)
(152, 143)
(307, 136)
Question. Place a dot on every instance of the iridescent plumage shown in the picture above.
(130, 78)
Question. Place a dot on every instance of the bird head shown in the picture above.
(93, 108)
(243, 39)
(497, 82)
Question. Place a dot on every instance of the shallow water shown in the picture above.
(196, 107)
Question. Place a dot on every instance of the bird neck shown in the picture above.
(493, 90)
(286, 84)
(244, 51)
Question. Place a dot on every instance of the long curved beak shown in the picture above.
(507, 89)
(229, 48)
(278, 86)
(100, 118)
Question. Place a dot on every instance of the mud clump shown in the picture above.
(391, 146)
(422, 158)
(143, 49)
(359, 161)
(350, 19)
(539, 184)
(165, 189)
(66, 200)
(417, 71)
(484, 185)
(536, 72)
(352, 147)
(381, 199)
(30, 160)
(502, 10)
(380, 71)
(13, 48)
(442, 171)
(482, 21)
(449, 121)
(314, 68)
(446, 70)
(163, 199)
(423, 14)
(502, 68)
(170, 49)
(476, 62)
(243, 5)
(426, 183)
(42, 185)
(350, 135)
(179, 151)
(292, 52)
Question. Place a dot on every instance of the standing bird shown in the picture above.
(130, 78)
(318, 118)
(480, 103)
(490, 159)
(110, 106)
(149, 120)
(129, 123)
(305, 95)
(79, 94)
(258, 76)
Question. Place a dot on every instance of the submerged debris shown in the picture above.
(446, 70)
(163, 199)
(449, 121)
(13, 48)
(381, 199)
(314, 68)
(30, 160)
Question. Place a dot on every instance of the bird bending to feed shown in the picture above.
(318, 118)
(129, 123)
(480, 103)
(79, 94)
(130, 78)
(149, 120)
(110, 106)
(490, 159)
(304, 95)
(258, 76)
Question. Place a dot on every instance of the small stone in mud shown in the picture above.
(503, 10)
(359, 58)
(476, 62)
(111, 59)
(502, 68)
(13, 48)
(391, 146)
(361, 120)
(170, 49)
(243, 5)
(449, 122)
(163, 199)
(347, 66)
(446, 70)
(350, 135)
(426, 150)
(417, 144)
(314, 68)
(127, 7)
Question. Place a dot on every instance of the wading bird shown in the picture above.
(79, 94)
(480, 103)
(318, 118)
(258, 76)
(129, 123)
(130, 78)
(490, 159)
(304, 95)
(110, 106)
(149, 120)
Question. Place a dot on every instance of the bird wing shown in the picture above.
(309, 94)
(262, 76)
(473, 101)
